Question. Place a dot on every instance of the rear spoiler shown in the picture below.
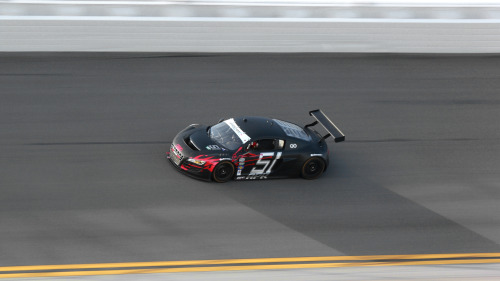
(327, 124)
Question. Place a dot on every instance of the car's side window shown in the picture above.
(280, 144)
(266, 145)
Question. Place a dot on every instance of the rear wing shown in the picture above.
(327, 124)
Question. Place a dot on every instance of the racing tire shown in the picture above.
(313, 168)
(223, 172)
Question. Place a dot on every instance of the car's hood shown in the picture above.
(202, 142)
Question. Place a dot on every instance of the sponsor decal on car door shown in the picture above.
(263, 165)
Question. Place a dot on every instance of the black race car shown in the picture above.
(246, 148)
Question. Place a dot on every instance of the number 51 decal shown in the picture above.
(266, 164)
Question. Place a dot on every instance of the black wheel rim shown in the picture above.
(313, 168)
(223, 172)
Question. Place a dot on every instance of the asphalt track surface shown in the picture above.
(83, 178)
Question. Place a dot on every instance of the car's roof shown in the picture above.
(256, 127)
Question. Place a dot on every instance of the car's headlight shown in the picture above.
(196, 161)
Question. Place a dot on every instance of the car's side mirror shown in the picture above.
(220, 120)
(251, 146)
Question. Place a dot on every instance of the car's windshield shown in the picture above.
(228, 134)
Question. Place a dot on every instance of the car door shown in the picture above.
(292, 158)
(261, 158)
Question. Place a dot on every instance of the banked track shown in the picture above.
(84, 181)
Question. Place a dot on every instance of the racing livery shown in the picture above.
(246, 148)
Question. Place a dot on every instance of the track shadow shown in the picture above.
(355, 215)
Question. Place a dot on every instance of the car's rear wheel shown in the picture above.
(223, 172)
(313, 168)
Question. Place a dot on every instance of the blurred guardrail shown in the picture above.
(439, 26)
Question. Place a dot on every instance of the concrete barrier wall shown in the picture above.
(248, 9)
(248, 36)
(210, 26)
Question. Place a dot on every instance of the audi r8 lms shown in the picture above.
(247, 148)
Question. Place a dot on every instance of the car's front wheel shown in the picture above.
(313, 168)
(223, 172)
